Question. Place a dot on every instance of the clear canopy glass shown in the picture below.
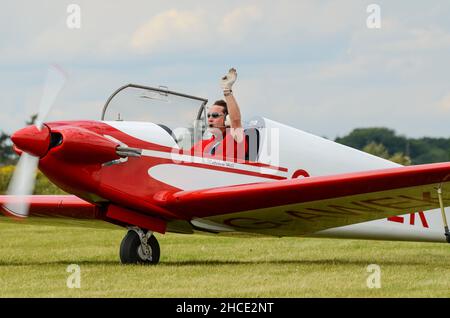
(156, 105)
(182, 114)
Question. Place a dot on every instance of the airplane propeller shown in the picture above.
(33, 141)
(56, 79)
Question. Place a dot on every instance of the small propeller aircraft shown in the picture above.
(136, 168)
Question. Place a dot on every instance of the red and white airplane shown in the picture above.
(141, 174)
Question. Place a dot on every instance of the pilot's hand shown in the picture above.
(228, 80)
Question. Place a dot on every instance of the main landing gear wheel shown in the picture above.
(139, 247)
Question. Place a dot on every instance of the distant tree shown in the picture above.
(376, 149)
(32, 120)
(405, 150)
(360, 137)
(432, 154)
(7, 154)
(380, 150)
(401, 158)
(427, 150)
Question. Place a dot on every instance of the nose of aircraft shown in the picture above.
(32, 140)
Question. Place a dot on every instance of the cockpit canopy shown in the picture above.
(179, 114)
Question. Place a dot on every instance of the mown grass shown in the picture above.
(33, 262)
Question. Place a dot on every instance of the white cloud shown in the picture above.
(171, 29)
(444, 103)
(252, 27)
(426, 38)
(396, 51)
(240, 21)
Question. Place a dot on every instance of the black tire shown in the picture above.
(129, 249)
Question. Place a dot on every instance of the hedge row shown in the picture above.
(43, 185)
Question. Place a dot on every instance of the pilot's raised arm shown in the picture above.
(234, 112)
(224, 120)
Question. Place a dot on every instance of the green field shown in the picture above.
(33, 262)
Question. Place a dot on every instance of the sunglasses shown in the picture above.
(214, 115)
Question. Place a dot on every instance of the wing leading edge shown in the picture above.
(68, 206)
(304, 206)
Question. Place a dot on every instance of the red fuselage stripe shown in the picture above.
(233, 170)
(138, 143)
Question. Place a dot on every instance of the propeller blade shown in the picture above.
(22, 185)
(56, 78)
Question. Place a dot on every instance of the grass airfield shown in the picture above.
(34, 259)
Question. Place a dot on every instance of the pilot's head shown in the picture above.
(216, 115)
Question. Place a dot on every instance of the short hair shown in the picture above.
(222, 103)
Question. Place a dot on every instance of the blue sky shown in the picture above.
(311, 64)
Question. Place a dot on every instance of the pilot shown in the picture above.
(224, 123)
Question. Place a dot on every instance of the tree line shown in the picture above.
(385, 143)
